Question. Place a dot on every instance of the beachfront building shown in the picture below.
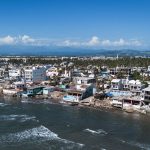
(127, 103)
(120, 87)
(18, 85)
(48, 90)
(35, 74)
(33, 91)
(83, 87)
(79, 92)
(126, 87)
(14, 89)
(131, 103)
(125, 83)
(118, 93)
(135, 86)
(146, 94)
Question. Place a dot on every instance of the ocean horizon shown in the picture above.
(46, 51)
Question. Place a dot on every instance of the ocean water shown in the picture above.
(42, 125)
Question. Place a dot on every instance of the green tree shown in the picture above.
(136, 76)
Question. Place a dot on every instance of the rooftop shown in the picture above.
(147, 89)
(84, 78)
(115, 80)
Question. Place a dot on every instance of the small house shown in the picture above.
(33, 91)
(48, 90)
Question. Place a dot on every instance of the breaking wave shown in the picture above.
(39, 134)
(96, 132)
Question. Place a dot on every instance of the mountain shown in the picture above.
(67, 51)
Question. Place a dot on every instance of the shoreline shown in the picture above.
(112, 109)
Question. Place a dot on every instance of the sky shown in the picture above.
(76, 23)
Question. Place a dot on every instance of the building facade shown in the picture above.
(35, 74)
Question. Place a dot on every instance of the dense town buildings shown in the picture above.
(124, 86)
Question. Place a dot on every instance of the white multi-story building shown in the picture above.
(148, 68)
(35, 74)
(116, 84)
(136, 86)
(14, 73)
(28, 73)
(146, 94)
(53, 71)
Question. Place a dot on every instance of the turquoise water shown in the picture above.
(38, 125)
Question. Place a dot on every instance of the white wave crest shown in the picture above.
(99, 131)
(20, 118)
(136, 144)
(140, 145)
(71, 143)
(38, 134)
(3, 104)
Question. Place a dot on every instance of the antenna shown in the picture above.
(117, 57)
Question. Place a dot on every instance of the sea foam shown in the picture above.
(20, 118)
(40, 132)
(137, 144)
(140, 145)
(3, 104)
(37, 134)
(96, 132)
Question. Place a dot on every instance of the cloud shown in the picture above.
(69, 43)
(136, 42)
(10, 40)
(106, 43)
(96, 42)
(7, 40)
(26, 39)
(93, 42)
(120, 42)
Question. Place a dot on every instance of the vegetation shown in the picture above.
(125, 61)
(136, 76)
